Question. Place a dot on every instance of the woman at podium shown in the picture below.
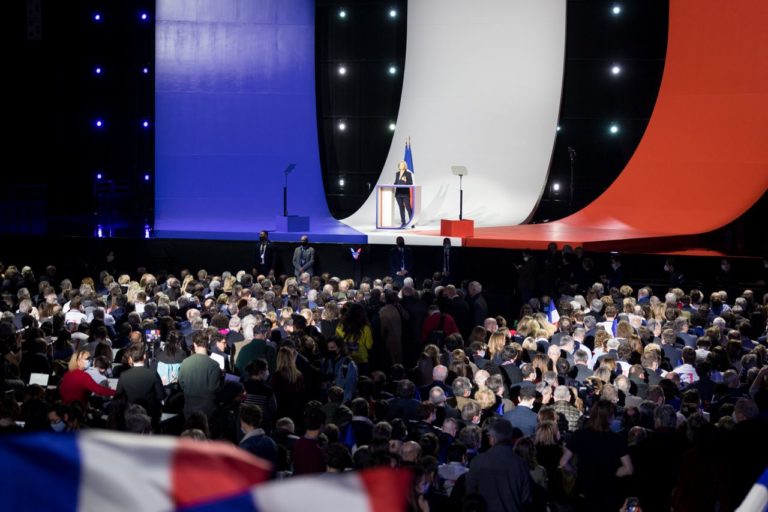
(404, 176)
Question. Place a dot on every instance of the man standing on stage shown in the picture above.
(265, 256)
(304, 258)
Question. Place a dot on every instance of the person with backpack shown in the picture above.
(437, 327)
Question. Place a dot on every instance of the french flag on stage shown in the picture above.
(104, 471)
(408, 158)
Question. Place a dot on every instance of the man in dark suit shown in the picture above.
(448, 263)
(477, 303)
(265, 256)
(404, 405)
(304, 258)
(142, 385)
(523, 416)
(452, 304)
(417, 310)
(499, 475)
(400, 261)
(404, 176)
(581, 365)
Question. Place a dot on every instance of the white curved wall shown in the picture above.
(481, 88)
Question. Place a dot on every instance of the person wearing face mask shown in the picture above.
(400, 261)
(265, 256)
(62, 418)
(304, 258)
(448, 263)
(142, 385)
(77, 385)
(339, 369)
(676, 277)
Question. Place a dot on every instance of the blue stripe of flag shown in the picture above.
(408, 156)
(39, 472)
(242, 502)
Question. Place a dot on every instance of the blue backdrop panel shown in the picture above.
(235, 104)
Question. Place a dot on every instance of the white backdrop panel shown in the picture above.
(481, 88)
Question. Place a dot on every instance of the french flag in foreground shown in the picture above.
(109, 471)
(757, 498)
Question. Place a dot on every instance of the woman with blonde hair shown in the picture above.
(496, 344)
(77, 385)
(601, 346)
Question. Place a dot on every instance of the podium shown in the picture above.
(387, 211)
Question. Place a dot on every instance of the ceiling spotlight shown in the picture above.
(614, 129)
(144, 16)
(342, 126)
(558, 128)
(615, 69)
(392, 70)
(97, 71)
(341, 182)
(616, 10)
(97, 17)
(556, 187)
(145, 124)
(99, 123)
(342, 14)
(391, 127)
(146, 177)
(145, 71)
(342, 70)
(99, 176)
(392, 13)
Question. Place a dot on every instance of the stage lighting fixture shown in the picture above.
(342, 70)
(392, 70)
(99, 176)
(556, 187)
(341, 182)
(342, 14)
(392, 13)
(342, 126)
(97, 17)
(144, 16)
(614, 129)
(99, 123)
(145, 71)
(558, 128)
(146, 177)
(391, 127)
(97, 71)
(145, 124)
(147, 230)
(616, 10)
(99, 232)
(615, 69)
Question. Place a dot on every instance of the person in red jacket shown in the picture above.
(76, 385)
(432, 324)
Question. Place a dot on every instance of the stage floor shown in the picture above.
(526, 236)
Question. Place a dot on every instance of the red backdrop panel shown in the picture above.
(703, 160)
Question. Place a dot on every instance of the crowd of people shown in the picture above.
(597, 397)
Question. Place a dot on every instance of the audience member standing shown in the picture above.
(199, 378)
(304, 258)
